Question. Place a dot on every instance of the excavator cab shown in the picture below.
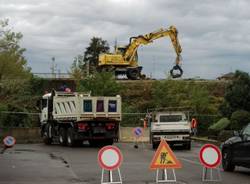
(120, 50)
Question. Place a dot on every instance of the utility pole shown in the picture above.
(115, 45)
(53, 67)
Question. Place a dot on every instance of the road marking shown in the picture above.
(190, 161)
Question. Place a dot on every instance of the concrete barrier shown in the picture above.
(127, 135)
(32, 135)
(24, 135)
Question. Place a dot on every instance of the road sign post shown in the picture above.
(137, 132)
(165, 159)
(110, 159)
(210, 158)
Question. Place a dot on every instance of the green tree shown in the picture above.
(91, 54)
(86, 64)
(237, 96)
(14, 78)
(100, 84)
(13, 65)
(239, 119)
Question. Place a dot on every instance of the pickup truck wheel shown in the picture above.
(94, 143)
(63, 136)
(70, 137)
(227, 161)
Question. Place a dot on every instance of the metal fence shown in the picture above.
(29, 120)
(10, 119)
(53, 75)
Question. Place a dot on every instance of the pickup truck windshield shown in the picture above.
(170, 118)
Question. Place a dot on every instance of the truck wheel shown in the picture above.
(188, 146)
(108, 142)
(47, 134)
(133, 74)
(96, 143)
(47, 140)
(70, 137)
(79, 142)
(63, 136)
(227, 161)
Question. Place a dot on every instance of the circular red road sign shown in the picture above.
(110, 157)
(9, 141)
(210, 156)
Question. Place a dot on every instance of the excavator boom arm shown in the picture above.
(135, 42)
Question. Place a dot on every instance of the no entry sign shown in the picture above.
(110, 157)
(138, 131)
(210, 156)
(9, 141)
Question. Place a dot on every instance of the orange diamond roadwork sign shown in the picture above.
(164, 158)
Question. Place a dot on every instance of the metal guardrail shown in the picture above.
(53, 75)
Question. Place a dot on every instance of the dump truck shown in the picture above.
(71, 118)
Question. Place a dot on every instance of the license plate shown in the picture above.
(98, 130)
(170, 137)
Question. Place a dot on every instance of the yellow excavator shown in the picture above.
(125, 59)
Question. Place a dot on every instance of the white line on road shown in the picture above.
(190, 161)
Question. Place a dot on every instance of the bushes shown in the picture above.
(220, 125)
(204, 122)
(239, 119)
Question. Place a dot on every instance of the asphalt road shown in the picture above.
(38, 163)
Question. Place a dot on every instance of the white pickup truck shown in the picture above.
(174, 127)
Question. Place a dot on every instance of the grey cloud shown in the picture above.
(211, 32)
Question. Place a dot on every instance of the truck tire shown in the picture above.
(133, 74)
(47, 141)
(63, 136)
(70, 137)
(108, 142)
(47, 134)
(188, 145)
(95, 143)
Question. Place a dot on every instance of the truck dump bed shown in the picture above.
(83, 107)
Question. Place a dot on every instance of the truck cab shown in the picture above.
(174, 127)
(43, 105)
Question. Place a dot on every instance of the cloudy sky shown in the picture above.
(214, 35)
